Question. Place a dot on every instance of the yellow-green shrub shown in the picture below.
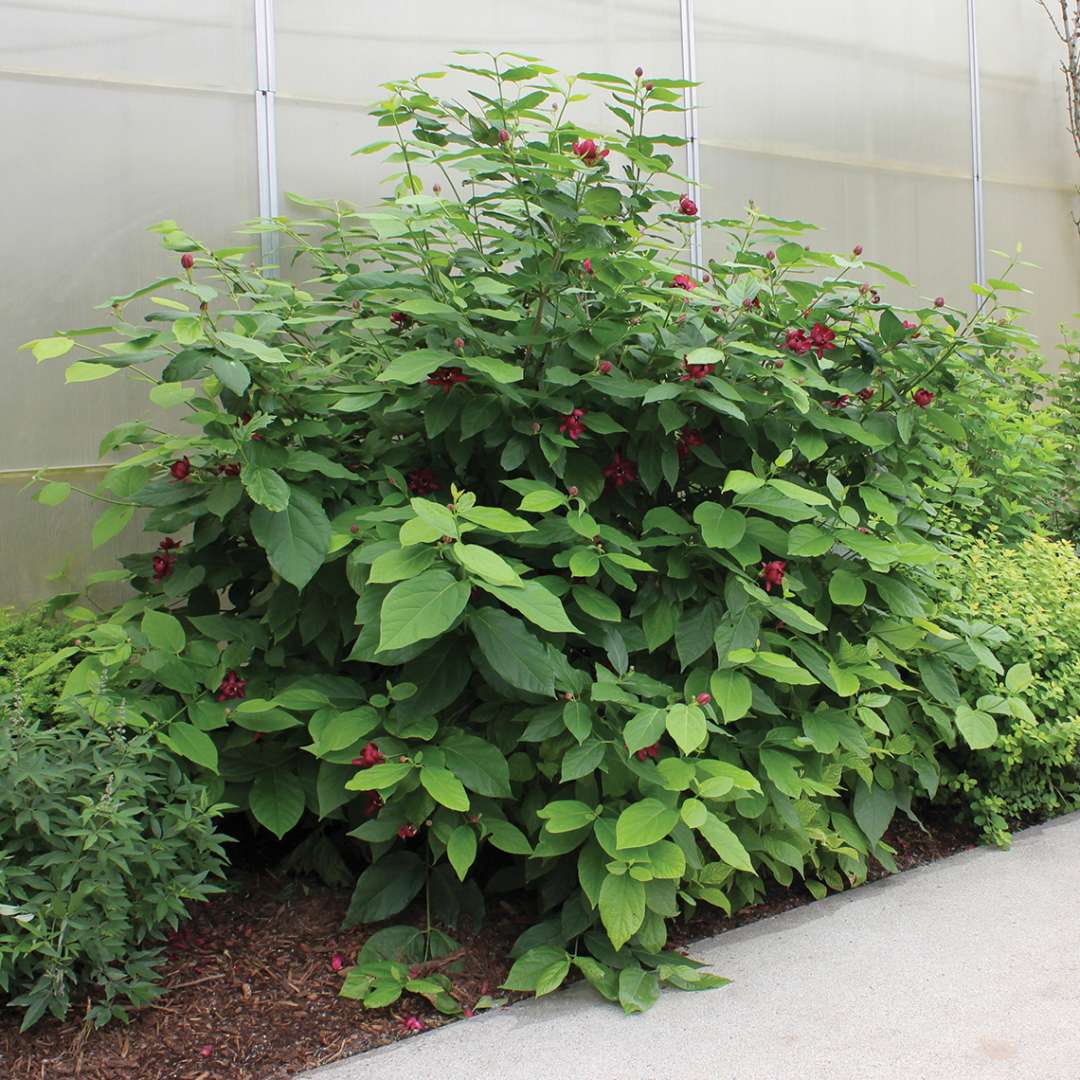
(1031, 591)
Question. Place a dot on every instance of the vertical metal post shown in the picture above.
(976, 147)
(693, 157)
(265, 130)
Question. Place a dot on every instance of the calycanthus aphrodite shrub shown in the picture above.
(533, 556)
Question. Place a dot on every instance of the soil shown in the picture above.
(251, 990)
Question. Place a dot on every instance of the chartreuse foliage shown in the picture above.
(533, 556)
(1026, 600)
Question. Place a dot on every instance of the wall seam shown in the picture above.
(690, 119)
(265, 126)
(976, 147)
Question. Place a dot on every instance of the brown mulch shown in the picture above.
(252, 994)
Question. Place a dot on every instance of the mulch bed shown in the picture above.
(252, 994)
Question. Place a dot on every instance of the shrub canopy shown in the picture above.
(532, 556)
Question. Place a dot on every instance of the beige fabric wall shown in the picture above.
(118, 113)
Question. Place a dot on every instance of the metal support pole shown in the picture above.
(265, 130)
(976, 147)
(690, 117)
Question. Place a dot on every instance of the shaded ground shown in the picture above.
(252, 994)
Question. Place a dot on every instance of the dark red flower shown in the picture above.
(337, 962)
(169, 544)
(422, 482)
(411, 1023)
(697, 372)
(586, 265)
(748, 304)
(447, 378)
(842, 402)
(589, 152)
(773, 573)
(232, 686)
(620, 471)
(400, 319)
(407, 832)
(688, 438)
(770, 255)
(682, 281)
(648, 752)
(866, 393)
(371, 755)
(822, 338)
(571, 425)
(797, 342)
(922, 397)
(373, 803)
(187, 260)
(687, 206)
(163, 566)
(180, 470)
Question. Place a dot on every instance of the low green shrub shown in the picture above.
(1025, 600)
(27, 639)
(103, 842)
(532, 557)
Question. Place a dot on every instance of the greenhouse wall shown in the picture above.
(858, 117)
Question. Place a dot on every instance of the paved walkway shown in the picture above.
(967, 968)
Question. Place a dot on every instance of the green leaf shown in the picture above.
(276, 799)
(846, 589)
(379, 777)
(538, 604)
(725, 843)
(639, 990)
(414, 367)
(486, 564)
(583, 760)
(232, 374)
(82, 371)
(686, 725)
(507, 837)
(421, 608)
(461, 850)
(978, 728)
(268, 354)
(539, 967)
(643, 823)
(478, 764)
(295, 539)
(385, 888)
(808, 541)
(49, 348)
(164, 631)
(740, 482)
(112, 522)
(490, 517)
(399, 564)
(498, 370)
(622, 907)
(444, 787)
(541, 501)
(721, 527)
(733, 692)
(1018, 678)
(53, 494)
(188, 741)
(939, 680)
(873, 807)
(566, 815)
(512, 651)
(597, 604)
(644, 729)
(265, 487)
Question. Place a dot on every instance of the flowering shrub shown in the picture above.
(1025, 602)
(533, 556)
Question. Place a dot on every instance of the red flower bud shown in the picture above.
(437, 188)
(187, 260)
(207, 1050)
(604, 367)
(639, 71)
(922, 397)
(770, 255)
(648, 86)
(586, 266)
(939, 301)
(180, 470)
(459, 343)
(687, 206)
(572, 491)
(704, 699)
(504, 136)
(857, 250)
(337, 962)
(354, 529)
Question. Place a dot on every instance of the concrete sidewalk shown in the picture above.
(967, 968)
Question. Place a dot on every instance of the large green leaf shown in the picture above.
(643, 823)
(276, 799)
(164, 631)
(538, 604)
(622, 907)
(385, 888)
(295, 539)
(514, 653)
(444, 787)
(414, 367)
(422, 607)
(978, 728)
(725, 843)
(478, 764)
(188, 741)
(686, 725)
(721, 527)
